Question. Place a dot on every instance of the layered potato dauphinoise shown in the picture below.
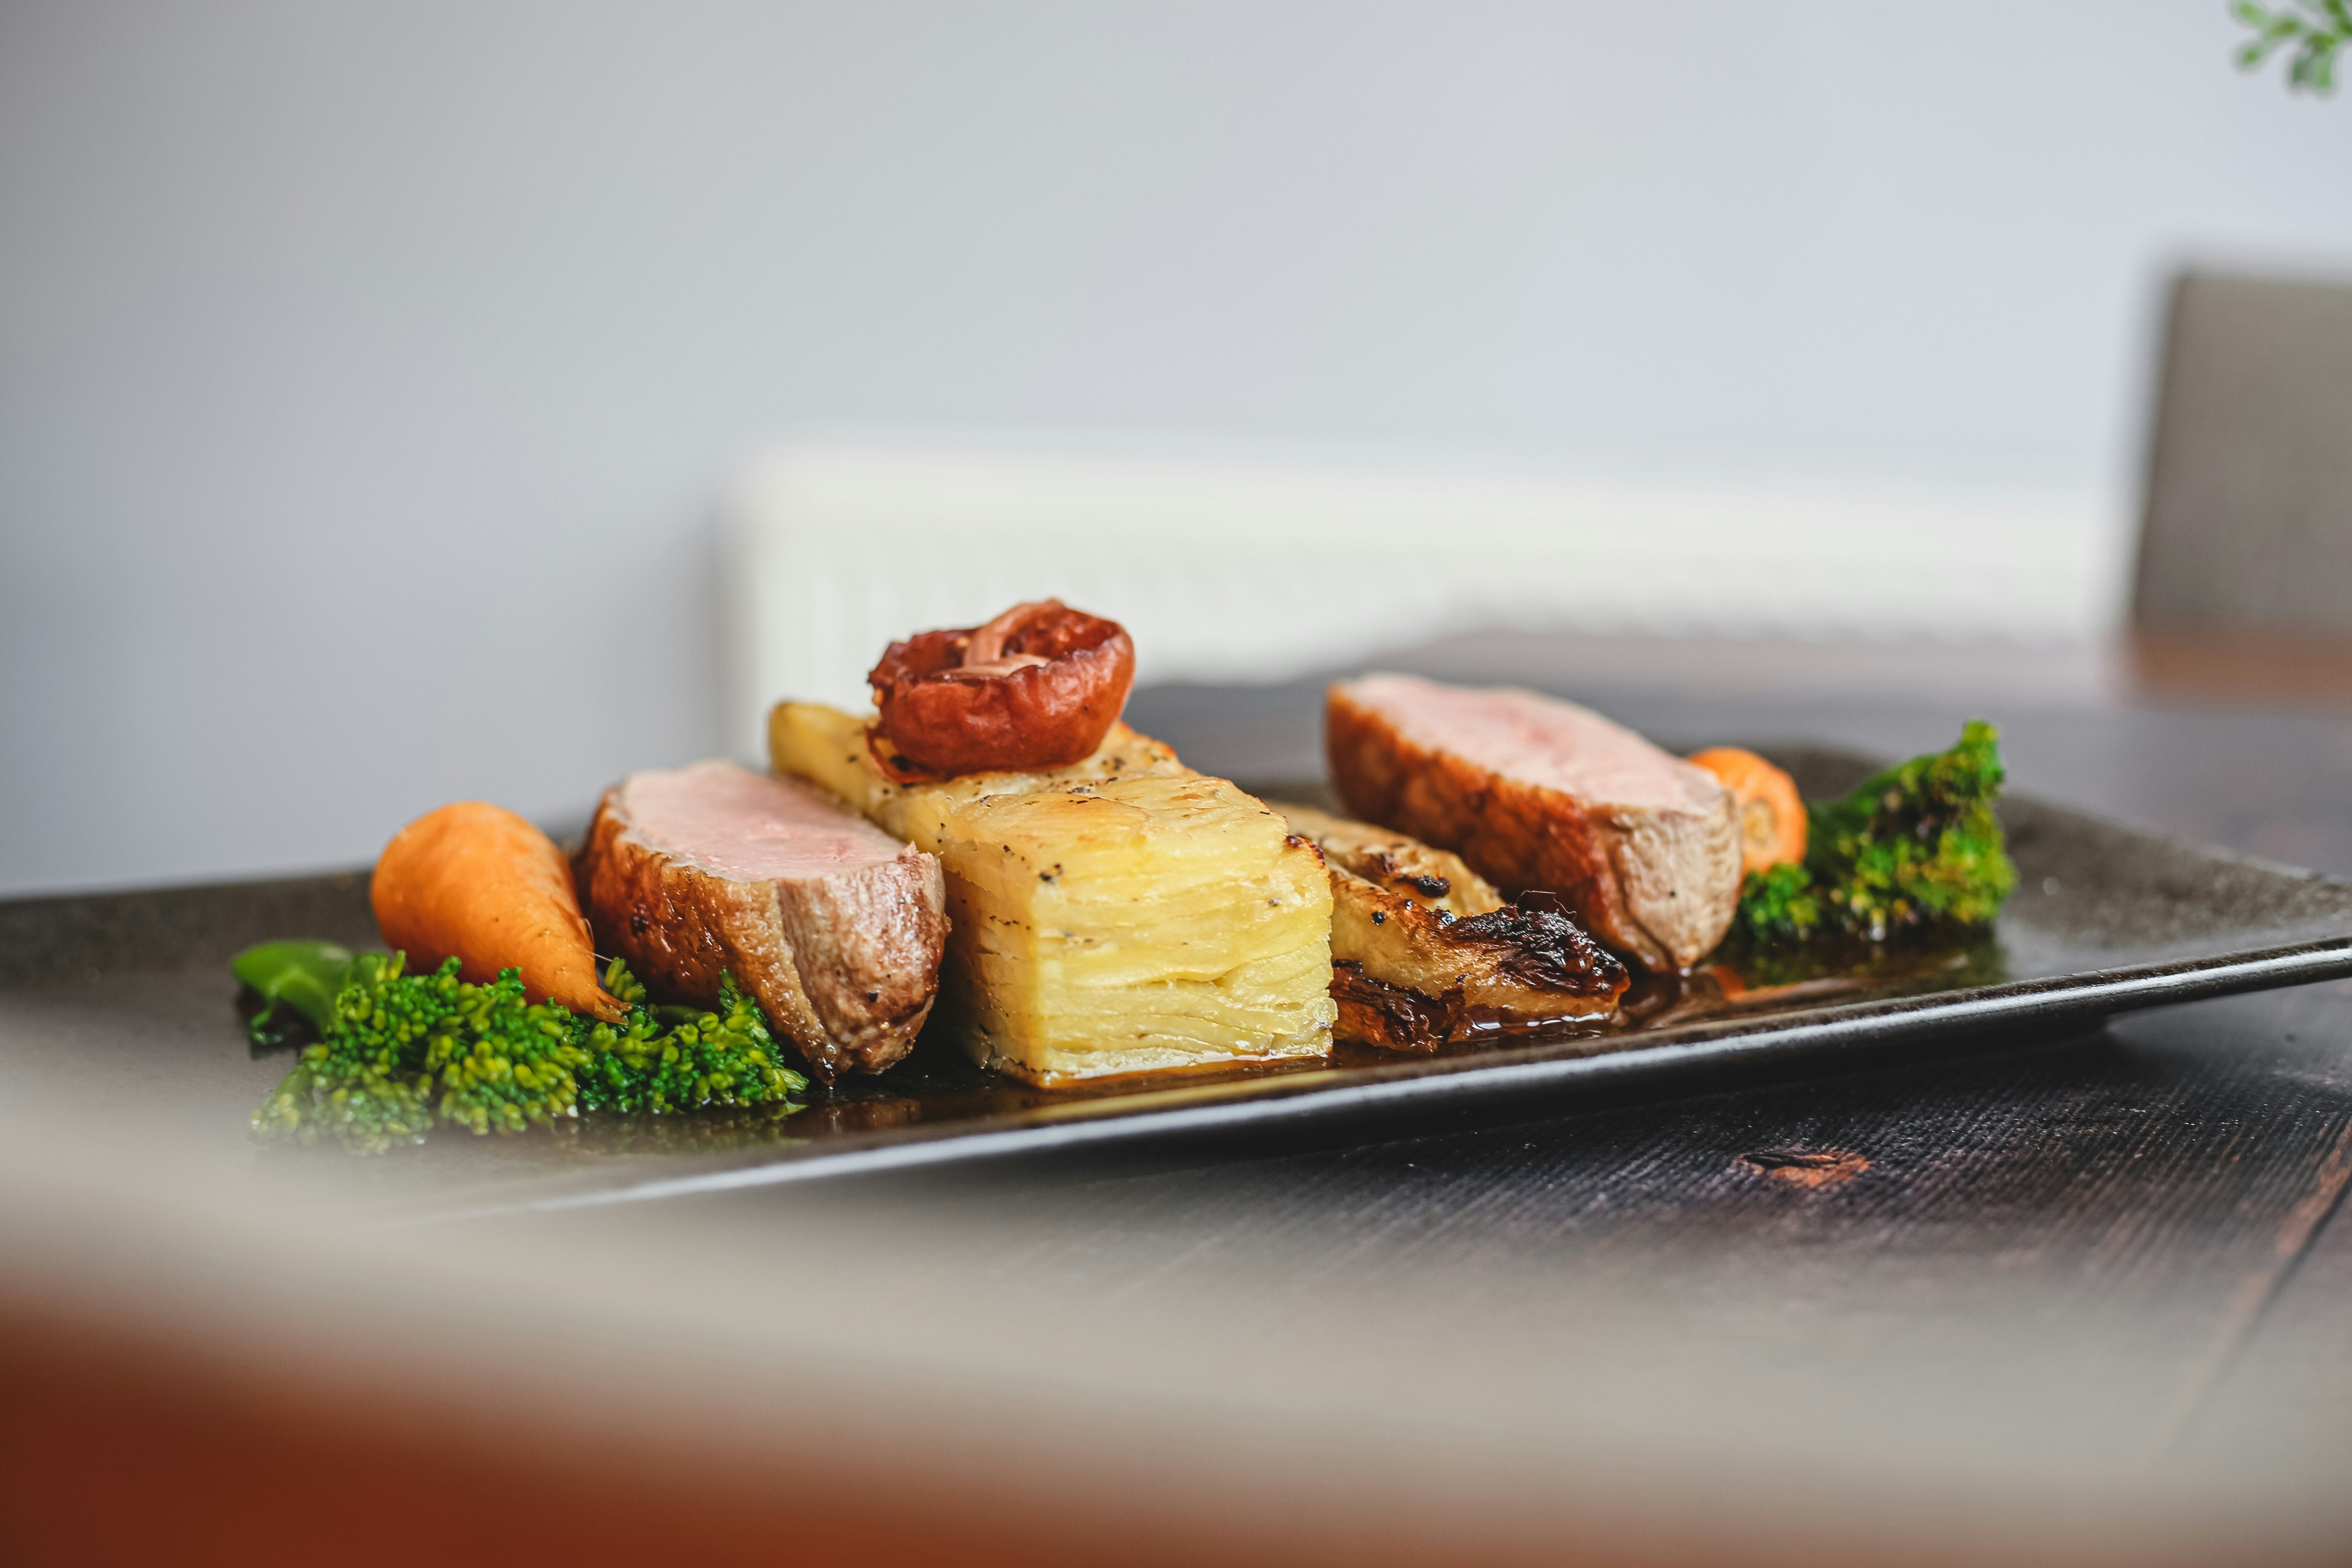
(1111, 910)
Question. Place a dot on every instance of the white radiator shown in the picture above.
(1241, 571)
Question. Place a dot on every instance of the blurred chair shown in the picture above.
(2244, 579)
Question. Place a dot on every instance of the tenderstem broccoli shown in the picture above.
(402, 1052)
(726, 1057)
(1914, 846)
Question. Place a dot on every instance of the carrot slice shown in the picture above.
(1771, 812)
(477, 883)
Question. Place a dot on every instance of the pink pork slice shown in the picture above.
(1537, 793)
(835, 927)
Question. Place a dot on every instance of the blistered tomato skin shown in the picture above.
(1038, 687)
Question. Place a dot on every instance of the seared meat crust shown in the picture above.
(1657, 884)
(846, 965)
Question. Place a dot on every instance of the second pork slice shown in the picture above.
(834, 926)
(1537, 792)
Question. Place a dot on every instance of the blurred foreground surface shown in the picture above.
(2071, 1302)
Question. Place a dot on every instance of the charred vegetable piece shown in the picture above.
(1038, 687)
(1393, 862)
(1526, 967)
(1425, 951)
(1916, 846)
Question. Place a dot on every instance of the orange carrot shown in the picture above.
(479, 884)
(1771, 812)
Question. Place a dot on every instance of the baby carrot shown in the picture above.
(480, 884)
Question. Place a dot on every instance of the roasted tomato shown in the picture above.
(1038, 687)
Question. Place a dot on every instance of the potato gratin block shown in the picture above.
(1121, 915)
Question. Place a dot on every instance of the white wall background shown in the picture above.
(1250, 571)
(368, 374)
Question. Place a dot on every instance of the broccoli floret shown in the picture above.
(619, 982)
(400, 1050)
(1779, 900)
(506, 1062)
(726, 1057)
(363, 1084)
(1916, 845)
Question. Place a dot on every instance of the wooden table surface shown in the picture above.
(2083, 1300)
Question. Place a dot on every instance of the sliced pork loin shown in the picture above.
(834, 926)
(1535, 793)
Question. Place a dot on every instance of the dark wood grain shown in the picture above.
(2165, 1206)
(2073, 1241)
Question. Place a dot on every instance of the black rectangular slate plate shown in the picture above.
(123, 1002)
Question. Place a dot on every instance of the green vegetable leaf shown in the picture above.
(303, 975)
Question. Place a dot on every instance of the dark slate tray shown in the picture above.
(123, 1001)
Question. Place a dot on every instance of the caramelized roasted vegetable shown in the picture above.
(1038, 687)
(1425, 951)
(1401, 865)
